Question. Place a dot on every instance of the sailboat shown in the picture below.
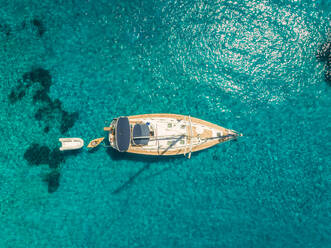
(165, 134)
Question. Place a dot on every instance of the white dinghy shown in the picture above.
(71, 144)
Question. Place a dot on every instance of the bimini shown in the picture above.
(165, 134)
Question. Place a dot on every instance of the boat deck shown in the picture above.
(177, 134)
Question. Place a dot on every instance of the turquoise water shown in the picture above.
(68, 66)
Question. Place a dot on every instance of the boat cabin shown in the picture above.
(125, 134)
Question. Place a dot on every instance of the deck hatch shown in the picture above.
(140, 134)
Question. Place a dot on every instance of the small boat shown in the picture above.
(71, 144)
(94, 143)
(165, 134)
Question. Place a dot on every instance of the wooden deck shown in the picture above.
(186, 149)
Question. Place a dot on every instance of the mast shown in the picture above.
(186, 135)
(191, 135)
(157, 140)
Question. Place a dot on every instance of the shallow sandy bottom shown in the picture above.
(247, 66)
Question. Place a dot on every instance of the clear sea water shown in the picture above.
(245, 65)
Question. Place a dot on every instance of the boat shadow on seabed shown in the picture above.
(148, 160)
(115, 155)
